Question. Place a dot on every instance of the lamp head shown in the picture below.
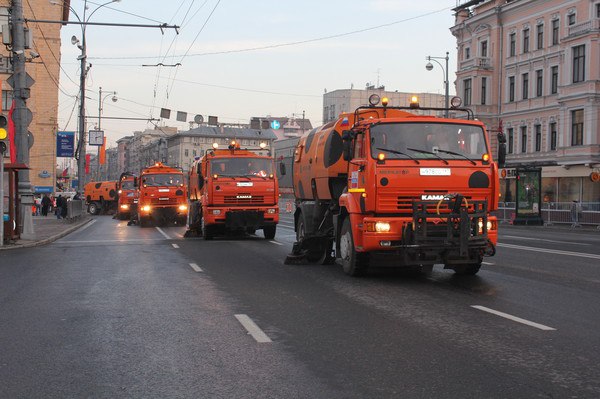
(114, 99)
(429, 66)
(74, 40)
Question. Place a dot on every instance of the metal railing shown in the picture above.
(555, 213)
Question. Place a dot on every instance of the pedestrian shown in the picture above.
(38, 205)
(575, 214)
(59, 205)
(45, 205)
(65, 208)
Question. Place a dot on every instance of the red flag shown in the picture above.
(65, 172)
(11, 134)
(88, 159)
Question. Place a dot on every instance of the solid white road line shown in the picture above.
(138, 240)
(252, 328)
(545, 240)
(514, 318)
(550, 251)
(86, 226)
(175, 245)
(488, 263)
(195, 267)
(163, 233)
(275, 242)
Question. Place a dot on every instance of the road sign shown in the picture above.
(275, 125)
(96, 137)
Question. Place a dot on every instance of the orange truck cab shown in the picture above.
(100, 196)
(128, 196)
(230, 190)
(162, 195)
(385, 187)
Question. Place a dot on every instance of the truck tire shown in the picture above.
(269, 232)
(312, 255)
(354, 263)
(94, 208)
(467, 269)
(207, 231)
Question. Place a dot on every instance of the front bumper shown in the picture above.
(242, 218)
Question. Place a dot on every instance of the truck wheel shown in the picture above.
(207, 231)
(354, 263)
(467, 270)
(93, 208)
(312, 255)
(269, 232)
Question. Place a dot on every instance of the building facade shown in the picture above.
(531, 69)
(347, 100)
(43, 65)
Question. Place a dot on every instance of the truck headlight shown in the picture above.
(146, 208)
(124, 206)
(271, 210)
(378, 227)
(183, 207)
(489, 225)
(216, 211)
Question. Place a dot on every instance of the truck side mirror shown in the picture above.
(282, 170)
(347, 144)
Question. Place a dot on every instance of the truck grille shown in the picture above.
(243, 199)
(167, 201)
(390, 203)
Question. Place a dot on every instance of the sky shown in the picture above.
(236, 59)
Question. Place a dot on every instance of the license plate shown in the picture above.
(245, 184)
(163, 199)
(435, 171)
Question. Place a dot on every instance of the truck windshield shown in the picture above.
(245, 167)
(127, 185)
(166, 179)
(423, 140)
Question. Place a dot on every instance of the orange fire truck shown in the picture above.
(385, 187)
(128, 196)
(233, 189)
(162, 195)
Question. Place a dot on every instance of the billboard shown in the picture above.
(65, 144)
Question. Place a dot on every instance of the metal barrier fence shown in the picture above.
(75, 209)
(555, 213)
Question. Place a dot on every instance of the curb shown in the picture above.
(47, 240)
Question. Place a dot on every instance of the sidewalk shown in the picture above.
(47, 229)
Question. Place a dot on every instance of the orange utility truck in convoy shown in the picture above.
(233, 189)
(128, 196)
(100, 196)
(385, 187)
(162, 195)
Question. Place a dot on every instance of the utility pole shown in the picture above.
(22, 116)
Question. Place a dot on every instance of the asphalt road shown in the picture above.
(121, 311)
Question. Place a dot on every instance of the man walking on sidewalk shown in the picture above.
(575, 214)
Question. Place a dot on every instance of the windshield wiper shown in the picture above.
(397, 152)
(430, 153)
(249, 175)
(459, 154)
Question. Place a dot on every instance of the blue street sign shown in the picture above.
(65, 144)
(275, 125)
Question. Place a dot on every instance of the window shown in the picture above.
(577, 127)
(539, 80)
(483, 90)
(483, 48)
(597, 10)
(538, 138)
(511, 89)
(526, 40)
(552, 136)
(467, 91)
(555, 32)
(540, 36)
(525, 86)
(554, 85)
(186, 152)
(523, 139)
(467, 53)
(571, 19)
(579, 63)
(7, 97)
(512, 39)
(511, 140)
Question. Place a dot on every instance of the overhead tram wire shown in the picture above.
(290, 43)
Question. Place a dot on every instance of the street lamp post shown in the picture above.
(100, 108)
(429, 67)
(84, 68)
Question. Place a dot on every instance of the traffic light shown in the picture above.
(3, 133)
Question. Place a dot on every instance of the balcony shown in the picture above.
(584, 28)
(480, 63)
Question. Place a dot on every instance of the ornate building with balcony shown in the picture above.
(530, 68)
